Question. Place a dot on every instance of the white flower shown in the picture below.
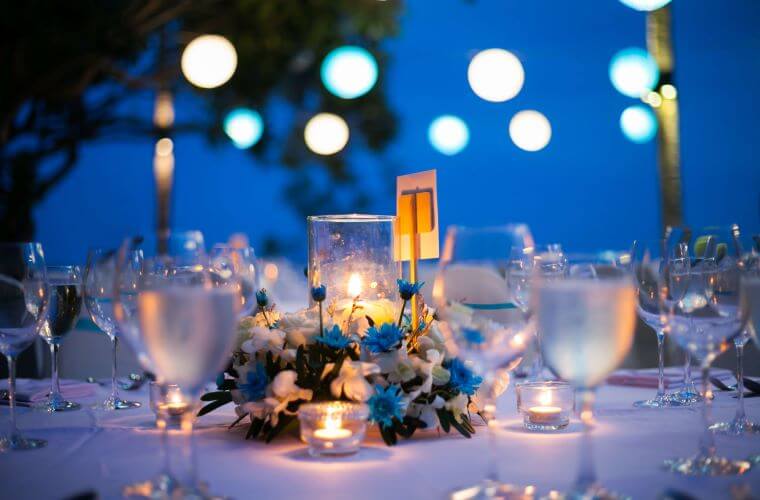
(433, 339)
(301, 327)
(427, 413)
(352, 380)
(282, 391)
(425, 368)
(457, 406)
(388, 361)
(263, 338)
(402, 372)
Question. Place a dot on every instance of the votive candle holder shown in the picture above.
(333, 427)
(545, 406)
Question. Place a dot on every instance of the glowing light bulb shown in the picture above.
(209, 61)
(326, 133)
(638, 124)
(495, 75)
(545, 398)
(448, 134)
(244, 127)
(633, 72)
(645, 5)
(354, 285)
(349, 72)
(530, 130)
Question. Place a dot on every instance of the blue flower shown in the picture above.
(386, 404)
(473, 336)
(318, 293)
(462, 378)
(255, 385)
(334, 338)
(261, 298)
(385, 339)
(220, 379)
(407, 290)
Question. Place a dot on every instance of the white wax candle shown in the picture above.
(545, 415)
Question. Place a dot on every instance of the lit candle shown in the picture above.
(545, 414)
(332, 429)
(354, 287)
(175, 405)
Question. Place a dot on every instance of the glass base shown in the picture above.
(165, 486)
(494, 490)
(54, 405)
(595, 492)
(707, 466)
(736, 427)
(18, 442)
(664, 401)
(688, 397)
(112, 404)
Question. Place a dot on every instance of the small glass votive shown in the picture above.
(333, 427)
(168, 400)
(545, 406)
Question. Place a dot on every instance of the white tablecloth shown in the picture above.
(91, 450)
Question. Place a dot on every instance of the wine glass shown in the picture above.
(653, 291)
(749, 296)
(238, 263)
(61, 315)
(23, 298)
(587, 321)
(187, 325)
(481, 325)
(100, 275)
(705, 322)
(550, 261)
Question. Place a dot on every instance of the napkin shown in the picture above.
(36, 390)
(673, 377)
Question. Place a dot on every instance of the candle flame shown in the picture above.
(332, 422)
(545, 398)
(354, 285)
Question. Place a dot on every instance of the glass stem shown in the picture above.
(660, 364)
(687, 383)
(740, 381)
(489, 413)
(707, 441)
(114, 352)
(538, 364)
(586, 479)
(12, 395)
(55, 384)
(181, 453)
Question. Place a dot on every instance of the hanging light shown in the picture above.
(645, 5)
(638, 124)
(244, 127)
(633, 72)
(448, 134)
(209, 61)
(326, 133)
(495, 75)
(349, 72)
(530, 130)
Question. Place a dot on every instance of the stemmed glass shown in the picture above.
(99, 281)
(551, 263)
(238, 263)
(480, 324)
(705, 321)
(62, 313)
(652, 281)
(23, 298)
(587, 321)
(748, 292)
(187, 325)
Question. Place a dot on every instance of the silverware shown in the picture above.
(5, 399)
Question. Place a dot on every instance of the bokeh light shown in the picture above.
(349, 72)
(448, 134)
(633, 72)
(326, 133)
(209, 61)
(530, 130)
(495, 75)
(645, 5)
(638, 124)
(244, 126)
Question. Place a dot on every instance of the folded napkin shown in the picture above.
(673, 377)
(36, 390)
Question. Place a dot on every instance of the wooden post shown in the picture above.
(414, 256)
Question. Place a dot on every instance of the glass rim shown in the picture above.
(354, 217)
(496, 228)
(348, 410)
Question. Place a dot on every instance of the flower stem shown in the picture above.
(401, 314)
(321, 324)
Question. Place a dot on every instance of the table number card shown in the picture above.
(417, 213)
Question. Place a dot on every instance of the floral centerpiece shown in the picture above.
(405, 376)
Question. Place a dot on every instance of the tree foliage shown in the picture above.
(71, 69)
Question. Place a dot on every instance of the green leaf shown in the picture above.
(281, 424)
(460, 428)
(443, 418)
(216, 396)
(255, 428)
(388, 434)
(213, 406)
(233, 424)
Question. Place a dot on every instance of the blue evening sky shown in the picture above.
(590, 188)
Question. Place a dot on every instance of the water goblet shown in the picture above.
(480, 323)
(99, 282)
(705, 322)
(23, 298)
(587, 321)
(61, 314)
(239, 263)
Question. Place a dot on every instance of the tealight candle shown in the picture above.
(333, 428)
(545, 406)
